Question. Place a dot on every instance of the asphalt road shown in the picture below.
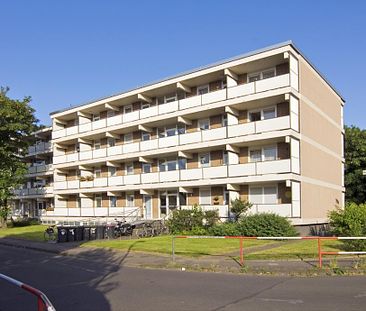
(102, 283)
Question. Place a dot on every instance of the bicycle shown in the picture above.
(147, 231)
(50, 234)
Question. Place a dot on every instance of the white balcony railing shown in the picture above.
(284, 210)
(220, 133)
(194, 101)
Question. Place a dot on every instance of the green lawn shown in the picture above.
(34, 232)
(189, 247)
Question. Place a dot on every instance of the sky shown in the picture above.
(65, 53)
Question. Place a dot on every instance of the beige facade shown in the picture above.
(264, 127)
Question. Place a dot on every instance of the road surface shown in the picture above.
(102, 283)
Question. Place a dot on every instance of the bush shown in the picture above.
(192, 220)
(350, 221)
(239, 207)
(257, 225)
(22, 222)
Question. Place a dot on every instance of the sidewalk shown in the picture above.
(226, 264)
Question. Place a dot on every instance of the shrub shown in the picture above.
(23, 222)
(239, 207)
(266, 224)
(229, 229)
(350, 221)
(192, 220)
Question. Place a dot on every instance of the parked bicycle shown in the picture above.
(147, 231)
(50, 234)
(123, 228)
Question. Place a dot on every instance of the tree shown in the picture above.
(239, 207)
(355, 155)
(17, 121)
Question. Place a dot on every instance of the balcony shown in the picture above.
(34, 169)
(182, 104)
(204, 173)
(40, 148)
(28, 192)
(285, 210)
(220, 133)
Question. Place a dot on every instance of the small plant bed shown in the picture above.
(34, 232)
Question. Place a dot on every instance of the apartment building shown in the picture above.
(35, 197)
(264, 127)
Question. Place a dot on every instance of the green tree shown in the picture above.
(239, 207)
(17, 121)
(355, 155)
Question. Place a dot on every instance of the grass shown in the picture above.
(188, 247)
(34, 232)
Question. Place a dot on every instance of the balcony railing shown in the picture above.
(40, 147)
(182, 104)
(204, 173)
(285, 210)
(33, 191)
(231, 131)
(39, 168)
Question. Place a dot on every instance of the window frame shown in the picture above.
(145, 105)
(110, 113)
(97, 171)
(260, 73)
(113, 201)
(206, 164)
(110, 174)
(143, 165)
(109, 140)
(261, 110)
(129, 195)
(143, 134)
(96, 117)
(261, 148)
(203, 86)
(96, 199)
(209, 197)
(200, 122)
(130, 164)
(128, 141)
(275, 186)
(129, 107)
(97, 142)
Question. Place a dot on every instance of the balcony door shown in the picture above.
(147, 207)
(168, 202)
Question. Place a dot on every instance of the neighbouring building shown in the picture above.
(35, 197)
(264, 127)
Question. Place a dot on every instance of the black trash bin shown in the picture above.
(109, 229)
(86, 233)
(71, 233)
(100, 232)
(79, 233)
(93, 233)
(61, 235)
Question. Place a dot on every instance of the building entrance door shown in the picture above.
(147, 207)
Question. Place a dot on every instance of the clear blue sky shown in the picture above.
(64, 53)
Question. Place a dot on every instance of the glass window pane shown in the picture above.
(146, 167)
(254, 77)
(255, 155)
(205, 196)
(128, 138)
(145, 136)
(181, 129)
(182, 163)
(170, 131)
(112, 171)
(130, 200)
(182, 198)
(254, 116)
(113, 201)
(255, 195)
(111, 142)
(268, 74)
(225, 158)
(127, 109)
(202, 90)
(269, 113)
(205, 160)
(269, 153)
(97, 144)
(172, 165)
(110, 113)
(129, 169)
(162, 166)
(270, 195)
(145, 105)
(172, 201)
(204, 124)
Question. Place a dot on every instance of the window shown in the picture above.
(265, 74)
(263, 195)
(96, 117)
(170, 98)
(225, 158)
(129, 169)
(128, 138)
(203, 89)
(181, 129)
(146, 168)
(262, 114)
(182, 163)
(205, 196)
(182, 198)
(127, 109)
(145, 105)
(205, 160)
(162, 165)
(255, 155)
(224, 120)
(268, 73)
(97, 172)
(269, 153)
(98, 200)
(97, 144)
(170, 131)
(161, 132)
(145, 136)
(111, 142)
(269, 113)
(171, 165)
(112, 171)
(204, 124)
(254, 116)
(113, 201)
(110, 113)
(130, 200)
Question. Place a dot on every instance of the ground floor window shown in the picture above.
(205, 196)
(263, 194)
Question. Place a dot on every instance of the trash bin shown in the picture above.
(86, 233)
(79, 233)
(61, 235)
(109, 230)
(100, 232)
(93, 233)
(71, 234)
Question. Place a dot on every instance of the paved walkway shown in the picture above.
(220, 263)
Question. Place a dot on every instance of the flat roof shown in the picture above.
(221, 62)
